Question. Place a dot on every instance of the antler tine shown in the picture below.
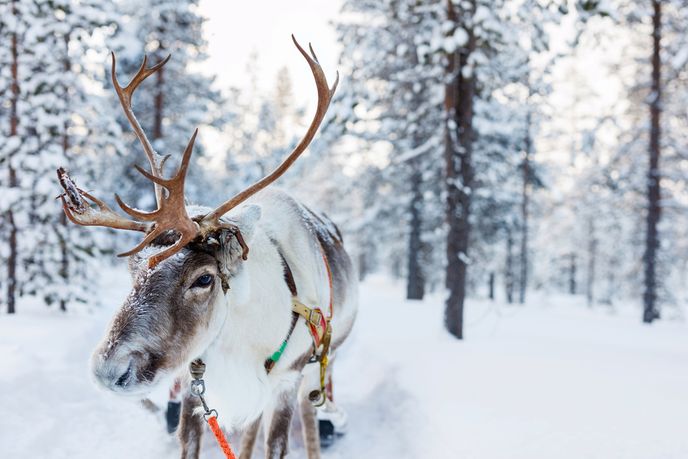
(325, 93)
(125, 95)
(140, 214)
(142, 245)
(180, 177)
(184, 238)
(102, 217)
(80, 212)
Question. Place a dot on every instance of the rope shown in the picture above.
(220, 436)
(197, 369)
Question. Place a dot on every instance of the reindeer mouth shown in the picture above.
(123, 380)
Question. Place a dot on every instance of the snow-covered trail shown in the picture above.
(551, 379)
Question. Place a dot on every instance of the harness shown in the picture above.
(318, 323)
(319, 327)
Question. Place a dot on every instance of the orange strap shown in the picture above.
(220, 436)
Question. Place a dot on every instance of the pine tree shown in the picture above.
(10, 28)
(655, 87)
(396, 87)
(176, 100)
(53, 127)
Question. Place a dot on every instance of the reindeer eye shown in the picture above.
(202, 282)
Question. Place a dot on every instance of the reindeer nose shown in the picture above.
(112, 373)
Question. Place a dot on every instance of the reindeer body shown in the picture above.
(260, 314)
(169, 320)
(259, 317)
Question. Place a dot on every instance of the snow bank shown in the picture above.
(552, 379)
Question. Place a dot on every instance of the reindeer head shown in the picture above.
(175, 309)
(187, 263)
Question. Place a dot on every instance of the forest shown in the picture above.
(477, 150)
(480, 157)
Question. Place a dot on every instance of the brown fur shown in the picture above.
(248, 440)
(190, 428)
(309, 426)
(277, 442)
(158, 311)
(150, 406)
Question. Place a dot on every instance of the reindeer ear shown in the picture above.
(245, 219)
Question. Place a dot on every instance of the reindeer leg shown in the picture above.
(309, 423)
(191, 428)
(277, 421)
(248, 440)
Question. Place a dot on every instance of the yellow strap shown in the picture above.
(313, 316)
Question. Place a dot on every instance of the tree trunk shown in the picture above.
(509, 268)
(572, 274)
(13, 182)
(650, 310)
(415, 283)
(459, 93)
(523, 279)
(491, 285)
(362, 266)
(592, 261)
(64, 249)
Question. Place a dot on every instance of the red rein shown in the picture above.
(220, 436)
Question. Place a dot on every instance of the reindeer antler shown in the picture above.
(80, 212)
(325, 93)
(125, 95)
(171, 214)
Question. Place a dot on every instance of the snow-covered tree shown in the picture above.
(396, 91)
(60, 119)
(175, 101)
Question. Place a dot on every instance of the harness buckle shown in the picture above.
(311, 313)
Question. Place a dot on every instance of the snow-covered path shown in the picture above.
(549, 380)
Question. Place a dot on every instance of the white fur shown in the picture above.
(258, 306)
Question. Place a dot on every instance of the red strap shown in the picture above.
(220, 436)
(318, 332)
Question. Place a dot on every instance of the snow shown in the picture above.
(549, 379)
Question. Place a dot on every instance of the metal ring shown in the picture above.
(210, 413)
(321, 401)
(197, 387)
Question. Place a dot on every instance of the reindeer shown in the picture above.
(199, 296)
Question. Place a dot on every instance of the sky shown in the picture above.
(237, 28)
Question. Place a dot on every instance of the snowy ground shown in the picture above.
(549, 380)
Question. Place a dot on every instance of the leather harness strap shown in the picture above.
(288, 276)
(321, 332)
(291, 284)
(315, 319)
(318, 324)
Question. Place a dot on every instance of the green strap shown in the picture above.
(272, 360)
(276, 356)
